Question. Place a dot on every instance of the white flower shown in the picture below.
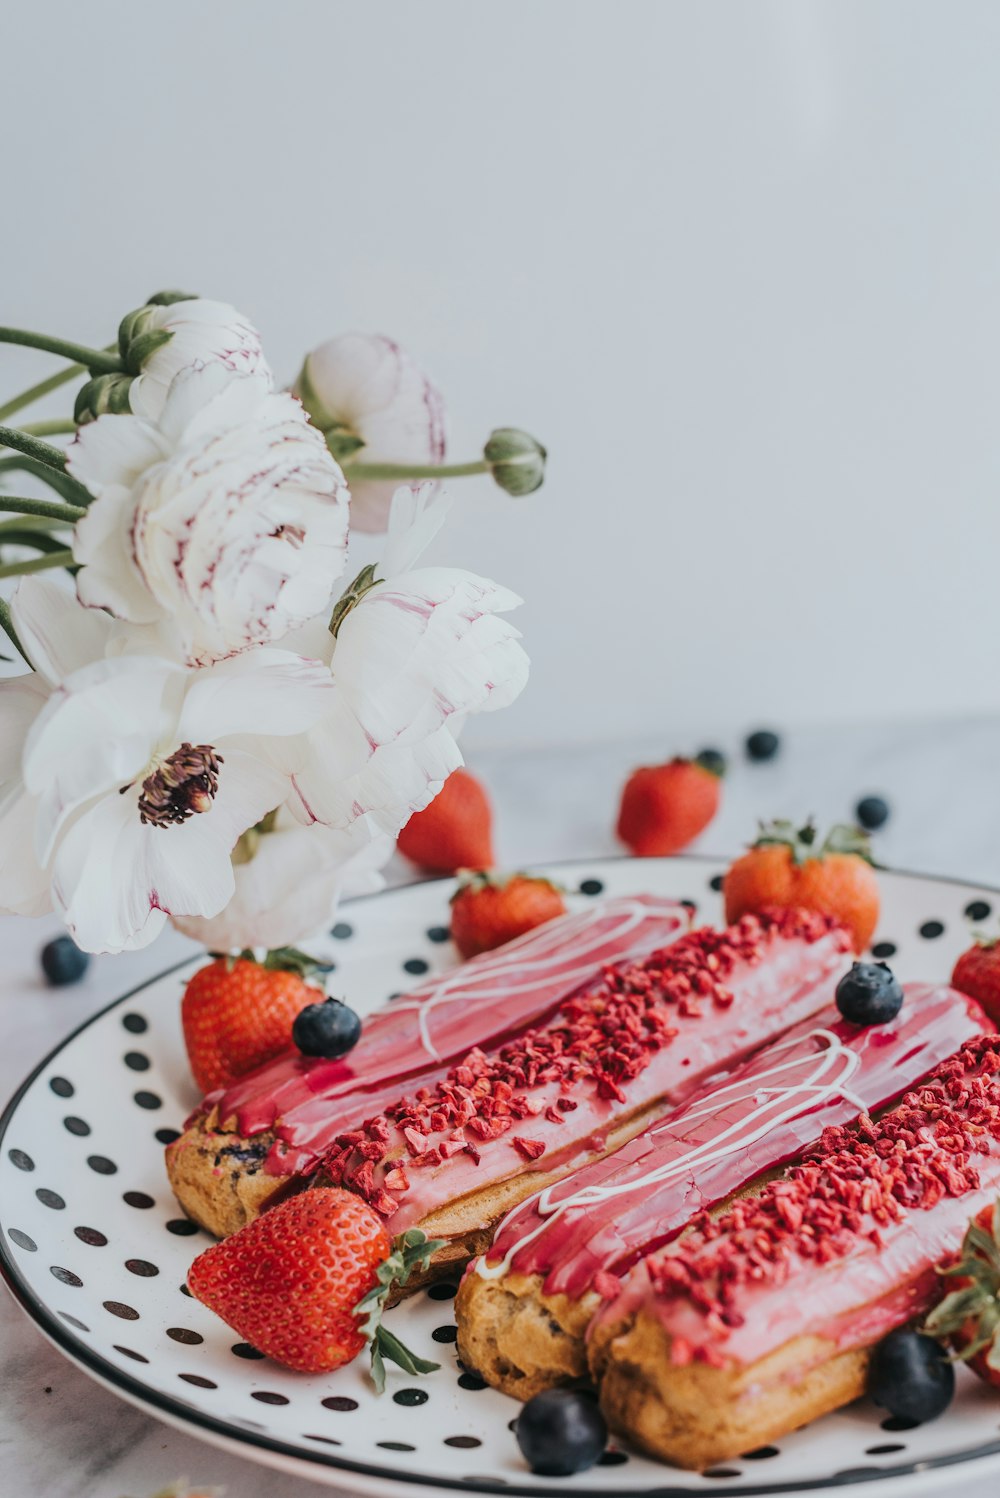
(202, 332)
(365, 387)
(421, 647)
(288, 883)
(227, 518)
(137, 776)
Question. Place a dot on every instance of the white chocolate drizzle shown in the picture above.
(492, 976)
(776, 1103)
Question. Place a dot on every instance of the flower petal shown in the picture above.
(58, 633)
(100, 882)
(265, 692)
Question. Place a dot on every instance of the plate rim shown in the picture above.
(182, 1414)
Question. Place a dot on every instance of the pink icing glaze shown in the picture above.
(308, 1102)
(605, 1217)
(788, 979)
(874, 1277)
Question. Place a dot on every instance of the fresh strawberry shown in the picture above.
(665, 807)
(238, 1013)
(969, 1317)
(486, 910)
(306, 1282)
(786, 869)
(454, 832)
(977, 973)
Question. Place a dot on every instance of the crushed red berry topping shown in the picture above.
(856, 1181)
(601, 1038)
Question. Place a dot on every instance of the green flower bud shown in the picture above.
(106, 393)
(168, 298)
(516, 460)
(138, 337)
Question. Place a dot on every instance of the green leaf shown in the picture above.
(411, 1250)
(397, 1352)
(291, 960)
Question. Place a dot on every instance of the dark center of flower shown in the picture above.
(184, 783)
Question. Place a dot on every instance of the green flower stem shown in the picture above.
(7, 625)
(53, 428)
(44, 387)
(38, 564)
(96, 360)
(32, 447)
(415, 470)
(41, 523)
(70, 514)
(58, 479)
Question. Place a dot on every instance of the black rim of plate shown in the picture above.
(187, 1415)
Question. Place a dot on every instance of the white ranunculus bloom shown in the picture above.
(142, 774)
(228, 517)
(288, 883)
(202, 332)
(421, 647)
(364, 386)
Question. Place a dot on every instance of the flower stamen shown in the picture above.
(184, 783)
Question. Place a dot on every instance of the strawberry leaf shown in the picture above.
(291, 960)
(972, 1313)
(802, 841)
(411, 1251)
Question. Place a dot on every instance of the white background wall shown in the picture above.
(738, 265)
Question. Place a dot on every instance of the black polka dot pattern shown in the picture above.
(137, 1199)
(79, 1326)
(899, 1422)
(931, 930)
(184, 1335)
(394, 1446)
(91, 1237)
(612, 1458)
(78, 1126)
(342, 930)
(978, 910)
(883, 950)
(723, 1472)
(445, 1334)
(265, 1396)
(340, 1403)
(50, 1199)
(886, 1448)
(471, 1381)
(761, 1454)
(326, 1440)
(410, 1397)
(244, 1350)
(135, 1024)
(442, 1291)
(147, 1100)
(182, 1227)
(121, 1310)
(22, 1240)
(102, 1165)
(464, 1443)
(591, 886)
(136, 1061)
(61, 1087)
(66, 1276)
(715, 883)
(438, 934)
(199, 1381)
(143, 1268)
(127, 1352)
(416, 965)
(20, 1160)
(167, 1136)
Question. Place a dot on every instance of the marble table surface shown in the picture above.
(61, 1435)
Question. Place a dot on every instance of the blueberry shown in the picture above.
(872, 812)
(560, 1432)
(870, 994)
(327, 1029)
(63, 962)
(911, 1376)
(712, 760)
(762, 745)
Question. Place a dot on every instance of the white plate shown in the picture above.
(96, 1249)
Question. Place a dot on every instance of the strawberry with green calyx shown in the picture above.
(977, 973)
(238, 1013)
(489, 909)
(789, 868)
(412, 1250)
(969, 1317)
